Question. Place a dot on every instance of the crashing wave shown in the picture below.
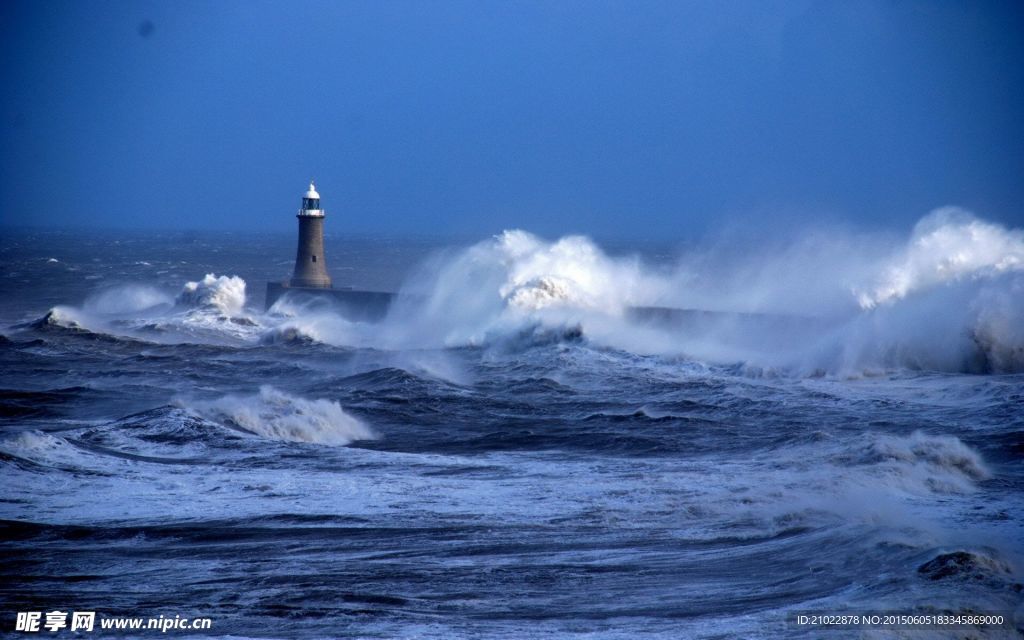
(44, 449)
(949, 299)
(537, 335)
(941, 464)
(289, 334)
(572, 271)
(309, 324)
(210, 310)
(973, 326)
(71, 322)
(965, 565)
(510, 282)
(277, 415)
(34, 441)
(59, 317)
(947, 245)
(226, 294)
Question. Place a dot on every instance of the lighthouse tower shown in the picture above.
(310, 266)
(310, 279)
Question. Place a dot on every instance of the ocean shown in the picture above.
(834, 426)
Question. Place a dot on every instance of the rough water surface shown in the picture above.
(512, 453)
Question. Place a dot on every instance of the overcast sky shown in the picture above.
(632, 119)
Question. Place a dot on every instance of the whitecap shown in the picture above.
(274, 414)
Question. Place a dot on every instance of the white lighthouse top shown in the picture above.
(311, 203)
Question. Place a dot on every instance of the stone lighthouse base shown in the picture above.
(361, 306)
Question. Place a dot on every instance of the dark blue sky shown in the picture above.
(631, 119)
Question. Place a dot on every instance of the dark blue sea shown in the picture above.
(531, 444)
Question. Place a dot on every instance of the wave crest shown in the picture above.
(274, 414)
(943, 464)
(60, 317)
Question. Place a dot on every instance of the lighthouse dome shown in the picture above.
(312, 192)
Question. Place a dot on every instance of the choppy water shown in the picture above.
(511, 457)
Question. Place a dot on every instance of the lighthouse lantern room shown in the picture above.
(311, 202)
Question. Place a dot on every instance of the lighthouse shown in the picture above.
(310, 280)
(310, 265)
